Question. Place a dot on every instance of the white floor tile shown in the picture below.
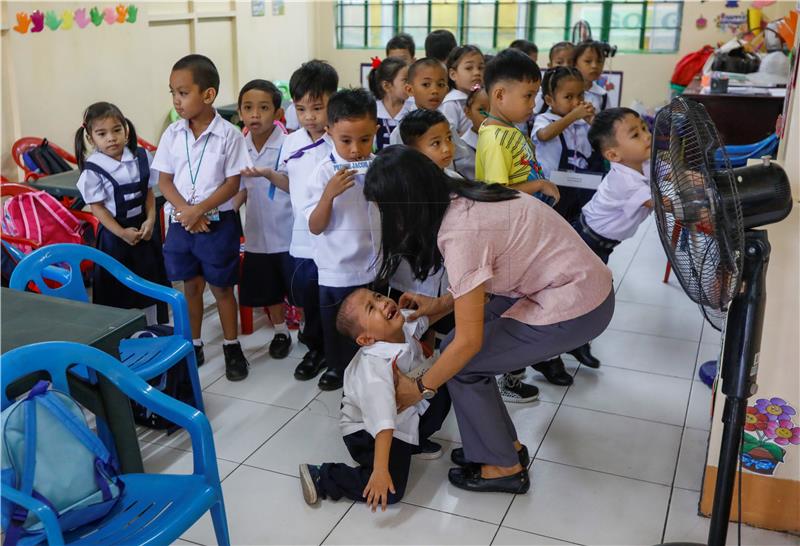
(547, 391)
(692, 460)
(406, 524)
(646, 353)
(214, 367)
(643, 283)
(428, 487)
(308, 438)
(699, 414)
(588, 507)
(710, 335)
(611, 443)
(635, 394)
(512, 537)
(684, 524)
(239, 426)
(160, 459)
(657, 320)
(327, 403)
(268, 508)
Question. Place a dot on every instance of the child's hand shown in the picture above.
(146, 229)
(188, 215)
(584, 110)
(131, 236)
(339, 183)
(548, 188)
(266, 172)
(378, 488)
(201, 225)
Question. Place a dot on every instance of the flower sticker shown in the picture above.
(775, 408)
(755, 420)
(768, 428)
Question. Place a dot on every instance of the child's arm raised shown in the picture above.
(380, 481)
(582, 111)
(129, 235)
(341, 181)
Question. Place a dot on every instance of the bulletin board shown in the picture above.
(611, 80)
(365, 70)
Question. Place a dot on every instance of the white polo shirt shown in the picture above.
(268, 222)
(298, 160)
(465, 165)
(219, 152)
(453, 109)
(595, 94)
(346, 253)
(368, 400)
(460, 152)
(617, 208)
(388, 123)
(96, 189)
(290, 115)
(548, 152)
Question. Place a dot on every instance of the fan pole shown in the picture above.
(740, 356)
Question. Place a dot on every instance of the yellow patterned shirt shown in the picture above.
(505, 156)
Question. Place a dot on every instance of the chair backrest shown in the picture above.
(146, 145)
(11, 189)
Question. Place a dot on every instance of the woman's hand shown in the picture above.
(406, 392)
(423, 306)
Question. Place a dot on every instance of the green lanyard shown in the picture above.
(193, 175)
(501, 120)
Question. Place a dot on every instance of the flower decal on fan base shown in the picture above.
(768, 428)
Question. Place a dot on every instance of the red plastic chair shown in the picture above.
(146, 145)
(27, 143)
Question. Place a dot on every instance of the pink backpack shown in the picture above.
(38, 216)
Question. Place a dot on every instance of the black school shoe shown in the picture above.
(279, 346)
(313, 362)
(199, 355)
(428, 450)
(469, 478)
(554, 371)
(457, 456)
(309, 481)
(583, 354)
(235, 363)
(331, 380)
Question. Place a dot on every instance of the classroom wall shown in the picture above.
(49, 78)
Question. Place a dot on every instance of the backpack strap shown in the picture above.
(604, 102)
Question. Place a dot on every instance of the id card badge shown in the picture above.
(572, 179)
(213, 215)
(360, 167)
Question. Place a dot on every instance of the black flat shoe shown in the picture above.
(279, 346)
(553, 370)
(199, 355)
(583, 354)
(457, 456)
(469, 478)
(313, 362)
(236, 364)
(331, 380)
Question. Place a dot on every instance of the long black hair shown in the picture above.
(412, 194)
(551, 79)
(95, 112)
(384, 72)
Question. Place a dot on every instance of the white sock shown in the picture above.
(197, 342)
(281, 328)
(230, 341)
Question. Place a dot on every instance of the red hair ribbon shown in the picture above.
(376, 62)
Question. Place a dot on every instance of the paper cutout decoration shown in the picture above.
(80, 18)
(67, 18)
(132, 12)
(37, 17)
(122, 13)
(759, 4)
(701, 23)
(732, 4)
(97, 17)
(52, 20)
(110, 15)
(23, 22)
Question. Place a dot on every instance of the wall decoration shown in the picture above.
(278, 7)
(36, 20)
(732, 3)
(258, 8)
(731, 21)
(701, 23)
(769, 428)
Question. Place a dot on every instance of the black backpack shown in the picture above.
(47, 160)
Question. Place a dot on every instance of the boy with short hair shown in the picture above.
(202, 243)
(345, 224)
(623, 199)
(379, 439)
(439, 44)
(527, 47)
(401, 46)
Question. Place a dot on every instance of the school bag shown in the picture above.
(46, 159)
(50, 453)
(690, 66)
(174, 382)
(39, 216)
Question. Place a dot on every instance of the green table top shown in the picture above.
(66, 184)
(31, 318)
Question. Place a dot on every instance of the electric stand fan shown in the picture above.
(722, 260)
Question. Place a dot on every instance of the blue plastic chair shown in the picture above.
(147, 357)
(153, 508)
(738, 154)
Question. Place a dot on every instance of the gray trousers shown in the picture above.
(486, 428)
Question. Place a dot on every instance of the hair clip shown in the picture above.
(376, 62)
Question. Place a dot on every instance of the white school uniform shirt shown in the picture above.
(96, 189)
(290, 115)
(368, 393)
(596, 95)
(465, 166)
(219, 152)
(538, 103)
(299, 170)
(548, 152)
(617, 208)
(346, 252)
(453, 109)
(388, 122)
(268, 222)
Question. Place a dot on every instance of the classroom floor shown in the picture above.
(618, 457)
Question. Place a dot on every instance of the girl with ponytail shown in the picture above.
(387, 82)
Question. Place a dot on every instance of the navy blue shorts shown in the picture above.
(265, 279)
(213, 255)
(303, 287)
